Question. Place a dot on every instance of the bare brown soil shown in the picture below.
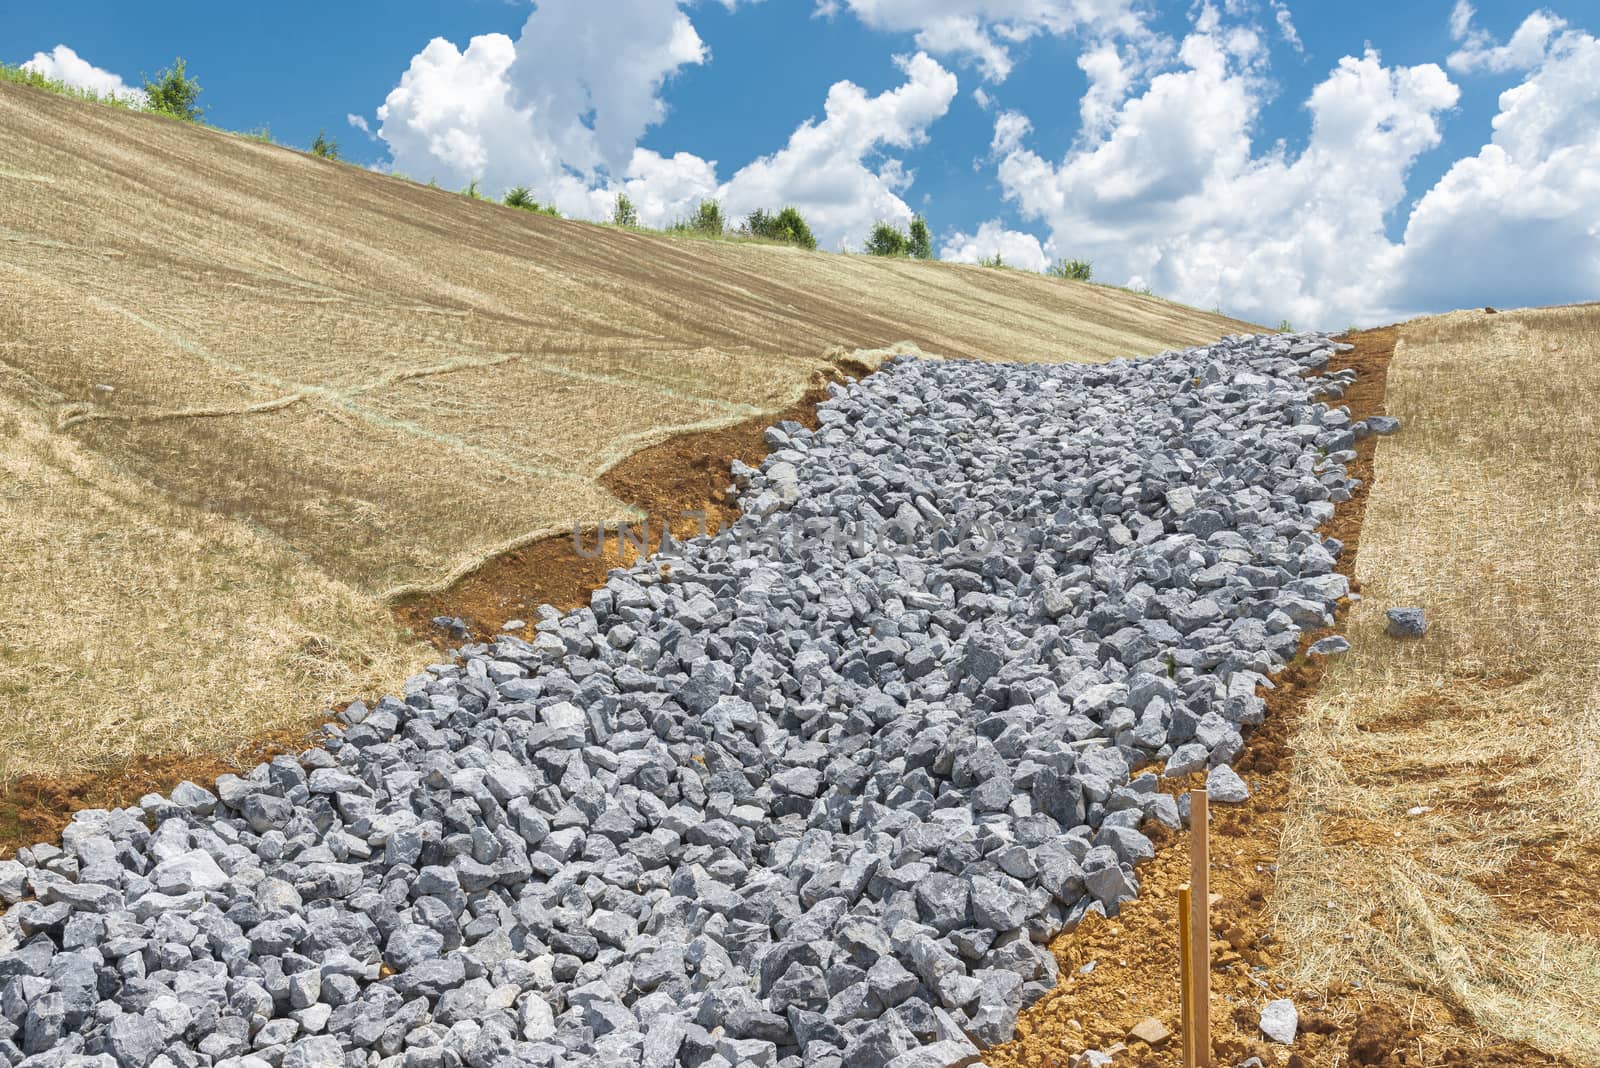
(1116, 973)
(680, 486)
(1549, 886)
(36, 808)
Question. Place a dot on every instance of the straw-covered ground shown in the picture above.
(127, 620)
(251, 395)
(1445, 841)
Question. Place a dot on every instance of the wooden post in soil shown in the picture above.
(1200, 926)
(1186, 983)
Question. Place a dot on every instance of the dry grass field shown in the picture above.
(131, 624)
(1444, 843)
(256, 394)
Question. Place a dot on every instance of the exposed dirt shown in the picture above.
(36, 808)
(1565, 878)
(681, 486)
(1132, 960)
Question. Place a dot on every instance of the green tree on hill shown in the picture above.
(919, 243)
(323, 148)
(788, 226)
(173, 92)
(623, 213)
(708, 219)
(887, 239)
(1073, 270)
(520, 197)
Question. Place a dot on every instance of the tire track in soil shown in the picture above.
(1132, 960)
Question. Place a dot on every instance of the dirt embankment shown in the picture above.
(1117, 973)
(679, 486)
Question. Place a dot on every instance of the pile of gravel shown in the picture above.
(815, 791)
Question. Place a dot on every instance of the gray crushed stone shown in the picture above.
(816, 791)
(1406, 623)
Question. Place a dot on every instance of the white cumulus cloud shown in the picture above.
(62, 64)
(1519, 222)
(1015, 248)
(1166, 189)
(985, 32)
(835, 170)
(1172, 196)
(596, 68)
(1167, 183)
(663, 189)
(568, 99)
(562, 108)
(1479, 51)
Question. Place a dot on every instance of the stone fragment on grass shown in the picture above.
(1406, 623)
(1332, 645)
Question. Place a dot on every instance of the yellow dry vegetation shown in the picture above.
(1446, 840)
(129, 624)
(304, 384)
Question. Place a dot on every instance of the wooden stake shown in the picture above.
(1200, 925)
(1186, 967)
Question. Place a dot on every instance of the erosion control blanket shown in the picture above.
(815, 791)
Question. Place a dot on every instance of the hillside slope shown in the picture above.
(1445, 840)
(382, 381)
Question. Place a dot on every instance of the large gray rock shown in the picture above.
(1223, 784)
(1332, 645)
(1406, 623)
(134, 1040)
(13, 882)
(194, 870)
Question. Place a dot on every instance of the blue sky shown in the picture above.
(1200, 178)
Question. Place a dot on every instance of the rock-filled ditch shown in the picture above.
(814, 791)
